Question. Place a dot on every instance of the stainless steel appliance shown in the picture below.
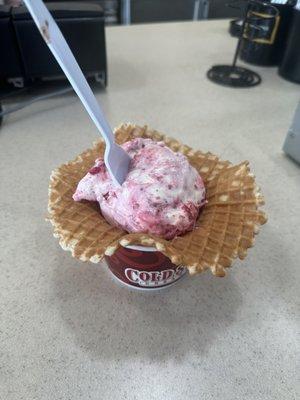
(292, 142)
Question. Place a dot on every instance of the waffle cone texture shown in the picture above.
(224, 230)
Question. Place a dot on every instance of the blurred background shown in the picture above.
(28, 68)
(267, 33)
(143, 11)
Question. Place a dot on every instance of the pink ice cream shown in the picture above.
(162, 193)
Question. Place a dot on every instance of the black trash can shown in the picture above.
(290, 65)
(266, 31)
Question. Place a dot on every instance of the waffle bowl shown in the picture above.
(224, 230)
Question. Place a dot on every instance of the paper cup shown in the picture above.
(144, 268)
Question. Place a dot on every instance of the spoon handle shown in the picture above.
(61, 51)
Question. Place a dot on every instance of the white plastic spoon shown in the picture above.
(115, 158)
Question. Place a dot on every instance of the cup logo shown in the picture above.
(154, 278)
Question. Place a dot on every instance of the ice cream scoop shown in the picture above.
(161, 195)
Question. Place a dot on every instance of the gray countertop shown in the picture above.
(68, 331)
